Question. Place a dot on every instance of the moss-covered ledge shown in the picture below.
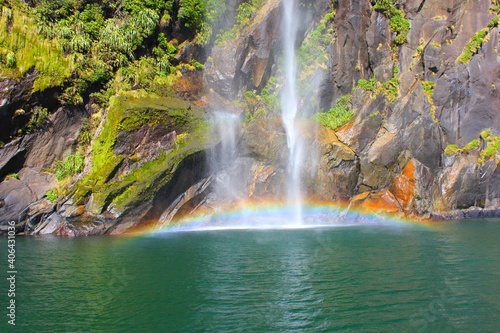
(106, 185)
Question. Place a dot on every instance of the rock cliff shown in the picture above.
(419, 79)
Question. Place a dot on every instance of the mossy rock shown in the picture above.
(129, 112)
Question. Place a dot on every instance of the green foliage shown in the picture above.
(23, 48)
(495, 6)
(401, 26)
(12, 176)
(492, 145)
(398, 22)
(10, 60)
(158, 6)
(473, 46)
(494, 22)
(38, 117)
(52, 195)
(269, 96)
(389, 89)
(312, 53)
(367, 85)
(428, 87)
(471, 145)
(338, 116)
(72, 164)
(451, 150)
(244, 13)
(200, 16)
(192, 13)
(428, 91)
(85, 134)
(124, 113)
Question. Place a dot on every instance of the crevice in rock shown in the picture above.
(421, 6)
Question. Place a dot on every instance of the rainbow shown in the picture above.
(270, 214)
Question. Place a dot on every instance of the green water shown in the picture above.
(352, 279)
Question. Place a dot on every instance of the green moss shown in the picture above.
(128, 112)
(137, 117)
(338, 116)
(473, 46)
(471, 145)
(492, 145)
(451, 150)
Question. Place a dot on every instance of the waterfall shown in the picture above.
(227, 128)
(289, 109)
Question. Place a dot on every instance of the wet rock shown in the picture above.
(338, 169)
(13, 95)
(266, 140)
(381, 202)
(412, 187)
(56, 140)
(53, 223)
(36, 213)
(15, 197)
(12, 157)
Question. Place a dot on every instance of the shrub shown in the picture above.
(451, 149)
(69, 166)
(494, 22)
(473, 46)
(338, 116)
(38, 117)
(52, 195)
(398, 22)
(492, 145)
(428, 87)
(268, 95)
(367, 85)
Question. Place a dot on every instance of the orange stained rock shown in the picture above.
(378, 202)
(403, 186)
(326, 135)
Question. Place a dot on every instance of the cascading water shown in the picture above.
(227, 128)
(289, 111)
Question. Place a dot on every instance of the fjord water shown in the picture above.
(371, 278)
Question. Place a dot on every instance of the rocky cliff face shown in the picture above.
(423, 140)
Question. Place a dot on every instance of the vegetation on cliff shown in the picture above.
(337, 116)
(398, 22)
(132, 60)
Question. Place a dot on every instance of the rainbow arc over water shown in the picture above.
(276, 214)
